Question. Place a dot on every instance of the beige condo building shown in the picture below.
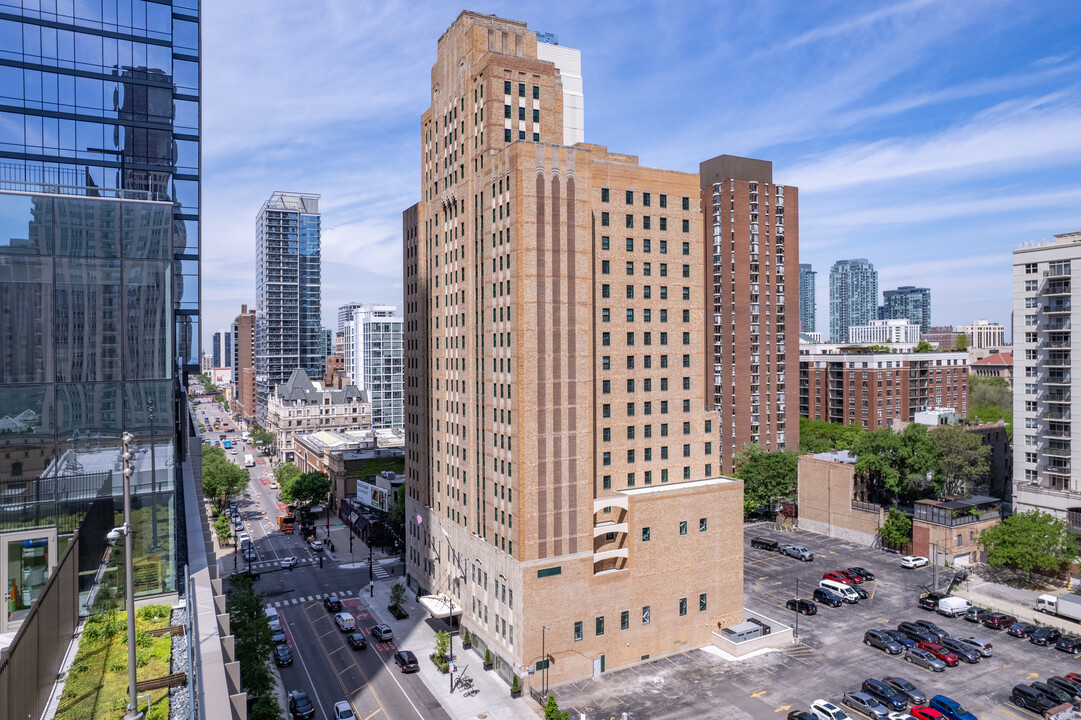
(564, 486)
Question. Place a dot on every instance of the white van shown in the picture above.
(847, 593)
(953, 606)
(272, 615)
(345, 622)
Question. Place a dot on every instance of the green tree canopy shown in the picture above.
(262, 438)
(923, 346)
(306, 490)
(897, 529)
(221, 476)
(990, 400)
(253, 638)
(1029, 541)
(964, 459)
(285, 474)
(767, 476)
(960, 343)
(817, 436)
(899, 463)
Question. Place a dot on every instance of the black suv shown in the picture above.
(1045, 636)
(865, 574)
(300, 707)
(826, 597)
(1069, 643)
(1028, 697)
(802, 605)
(933, 629)
(283, 656)
(965, 652)
(917, 633)
(332, 603)
(357, 641)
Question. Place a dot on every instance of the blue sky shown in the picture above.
(929, 137)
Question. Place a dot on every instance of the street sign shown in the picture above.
(542, 664)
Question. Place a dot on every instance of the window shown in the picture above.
(645, 222)
(606, 410)
(630, 314)
(645, 534)
(606, 387)
(686, 472)
(682, 527)
(536, 93)
(630, 221)
(605, 268)
(605, 221)
(682, 607)
(624, 620)
(630, 197)
(664, 246)
(604, 242)
(506, 111)
(646, 268)
(630, 292)
(686, 248)
(664, 224)
(664, 198)
(686, 271)
(606, 482)
(536, 115)
(709, 426)
(606, 290)
(606, 339)
(686, 202)
(630, 244)
(686, 293)
(701, 524)
(606, 315)
(664, 269)
(630, 479)
(577, 631)
(645, 608)
(600, 626)
(702, 602)
(506, 87)
(606, 434)
(506, 134)
(604, 194)
(521, 113)
(607, 458)
(630, 268)
(521, 89)
(686, 226)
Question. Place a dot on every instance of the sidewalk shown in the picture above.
(1016, 602)
(417, 633)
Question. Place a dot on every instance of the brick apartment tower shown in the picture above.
(561, 461)
(244, 372)
(752, 244)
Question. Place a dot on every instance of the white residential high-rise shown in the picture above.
(568, 64)
(372, 349)
(345, 314)
(1045, 381)
(880, 331)
(984, 335)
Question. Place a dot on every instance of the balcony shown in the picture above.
(1055, 395)
(1057, 414)
(1057, 307)
(1057, 451)
(1056, 287)
(1057, 379)
(1056, 324)
(1058, 359)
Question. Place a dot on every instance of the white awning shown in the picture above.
(440, 606)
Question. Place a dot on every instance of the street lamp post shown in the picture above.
(129, 572)
(544, 656)
(450, 635)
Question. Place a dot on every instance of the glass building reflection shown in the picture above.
(99, 280)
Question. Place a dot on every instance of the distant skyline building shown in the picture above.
(1046, 386)
(244, 371)
(908, 303)
(288, 292)
(885, 331)
(984, 335)
(807, 302)
(345, 314)
(222, 352)
(853, 296)
(326, 342)
(373, 359)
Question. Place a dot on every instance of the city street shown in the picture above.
(324, 665)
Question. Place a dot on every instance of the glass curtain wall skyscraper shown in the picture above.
(288, 326)
(807, 304)
(99, 280)
(908, 303)
(853, 296)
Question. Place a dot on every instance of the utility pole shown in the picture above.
(371, 572)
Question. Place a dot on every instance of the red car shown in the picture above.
(998, 621)
(939, 652)
(922, 712)
(1075, 678)
(837, 577)
(856, 578)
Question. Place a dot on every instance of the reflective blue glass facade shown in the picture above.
(104, 94)
(288, 326)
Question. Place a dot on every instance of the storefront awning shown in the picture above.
(440, 606)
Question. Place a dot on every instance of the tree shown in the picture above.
(960, 342)
(766, 476)
(306, 490)
(989, 400)
(964, 460)
(397, 595)
(397, 510)
(552, 711)
(876, 459)
(817, 436)
(923, 347)
(285, 474)
(253, 639)
(221, 477)
(1029, 541)
(262, 438)
(897, 529)
(223, 529)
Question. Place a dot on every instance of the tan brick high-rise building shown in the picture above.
(562, 465)
(244, 372)
(752, 245)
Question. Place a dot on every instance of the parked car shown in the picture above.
(912, 693)
(933, 629)
(802, 715)
(940, 652)
(1045, 636)
(949, 707)
(924, 659)
(998, 621)
(929, 601)
(837, 577)
(343, 711)
(357, 641)
(382, 632)
(1021, 629)
(913, 561)
(825, 710)
(283, 656)
(799, 552)
(922, 712)
(289, 563)
(300, 707)
(855, 578)
(865, 574)
(864, 703)
(332, 603)
(407, 661)
(900, 715)
(278, 636)
(1075, 678)
(860, 591)
(884, 694)
(1053, 693)
(963, 652)
(1029, 698)
(1066, 686)
(898, 636)
(1070, 644)
(977, 614)
(765, 544)
(316, 545)
(879, 639)
(917, 633)
(827, 597)
(802, 605)
(983, 648)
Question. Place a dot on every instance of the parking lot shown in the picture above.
(829, 659)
